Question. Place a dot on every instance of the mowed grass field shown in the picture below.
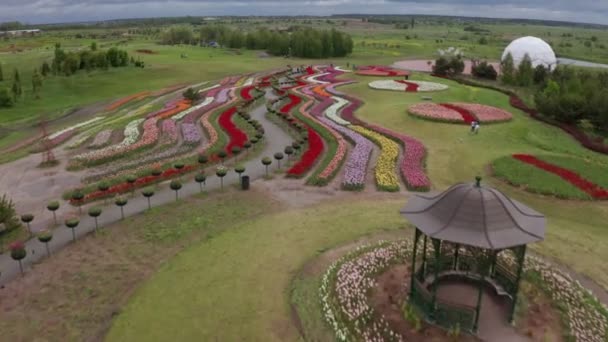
(237, 285)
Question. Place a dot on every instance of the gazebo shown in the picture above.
(470, 233)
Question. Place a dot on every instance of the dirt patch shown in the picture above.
(540, 321)
(387, 298)
(146, 51)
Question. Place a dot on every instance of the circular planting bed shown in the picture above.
(363, 297)
(457, 112)
(379, 70)
(560, 176)
(407, 86)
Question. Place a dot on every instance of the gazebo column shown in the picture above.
(482, 269)
(413, 275)
(423, 274)
(521, 256)
(456, 251)
(437, 247)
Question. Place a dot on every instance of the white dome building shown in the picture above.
(539, 51)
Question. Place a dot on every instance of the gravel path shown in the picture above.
(275, 137)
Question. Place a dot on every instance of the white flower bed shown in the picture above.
(339, 68)
(209, 88)
(82, 124)
(423, 86)
(131, 134)
(346, 284)
(182, 114)
(248, 82)
(313, 79)
(332, 111)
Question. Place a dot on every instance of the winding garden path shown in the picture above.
(275, 140)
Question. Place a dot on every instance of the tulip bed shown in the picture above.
(560, 176)
(332, 111)
(102, 139)
(459, 112)
(347, 283)
(386, 177)
(407, 86)
(379, 70)
(119, 103)
(237, 136)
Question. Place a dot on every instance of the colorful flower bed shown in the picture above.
(345, 287)
(483, 113)
(407, 86)
(119, 103)
(246, 93)
(191, 134)
(386, 178)
(237, 136)
(310, 156)
(186, 112)
(131, 134)
(380, 70)
(467, 116)
(355, 167)
(169, 130)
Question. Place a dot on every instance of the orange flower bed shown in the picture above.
(116, 104)
(181, 106)
(321, 91)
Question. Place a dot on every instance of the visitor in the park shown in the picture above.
(473, 123)
(476, 128)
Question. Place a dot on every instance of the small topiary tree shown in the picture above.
(103, 187)
(121, 202)
(202, 160)
(221, 172)
(175, 185)
(18, 253)
(254, 141)
(45, 236)
(278, 156)
(148, 193)
(222, 155)
(77, 197)
(131, 179)
(259, 135)
(247, 145)
(72, 223)
(156, 172)
(239, 170)
(95, 212)
(288, 151)
(53, 206)
(200, 178)
(27, 219)
(235, 152)
(266, 161)
(296, 147)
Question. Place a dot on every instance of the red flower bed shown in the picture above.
(294, 100)
(309, 158)
(573, 178)
(141, 182)
(246, 93)
(379, 70)
(411, 87)
(237, 137)
(466, 115)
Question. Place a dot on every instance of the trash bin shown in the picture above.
(245, 182)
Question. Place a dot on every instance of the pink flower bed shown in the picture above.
(485, 113)
(380, 70)
(435, 111)
(169, 129)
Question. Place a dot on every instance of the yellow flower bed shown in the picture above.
(385, 172)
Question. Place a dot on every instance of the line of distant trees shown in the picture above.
(294, 41)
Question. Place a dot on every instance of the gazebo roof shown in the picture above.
(475, 215)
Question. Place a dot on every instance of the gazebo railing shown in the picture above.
(422, 299)
(448, 315)
(505, 277)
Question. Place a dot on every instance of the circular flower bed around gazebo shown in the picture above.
(347, 283)
(458, 112)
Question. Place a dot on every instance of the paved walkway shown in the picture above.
(276, 140)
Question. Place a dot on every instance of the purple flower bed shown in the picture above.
(222, 96)
(191, 133)
(101, 139)
(320, 108)
(355, 167)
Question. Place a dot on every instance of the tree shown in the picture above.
(288, 151)
(52, 206)
(18, 253)
(247, 145)
(36, 83)
(95, 212)
(484, 70)
(72, 223)
(175, 185)
(540, 74)
(222, 155)
(200, 178)
(525, 72)
(451, 66)
(221, 172)
(278, 156)
(266, 161)
(235, 152)
(483, 41)
(6, 100)
(1, 74)
(191, 95)
(239, 169)
(93, 46)
(148, 193)
(131, 180)
(179, 167)
(27, 219)
(77, 197)
(202, 160)
(46, 69)
(45, 236)
(507, 69)
(121, 202)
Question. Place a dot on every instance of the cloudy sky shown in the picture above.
(43, 11)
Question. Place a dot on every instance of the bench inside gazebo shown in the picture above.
(469, 234)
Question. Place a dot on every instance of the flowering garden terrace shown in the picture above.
(459, 112)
